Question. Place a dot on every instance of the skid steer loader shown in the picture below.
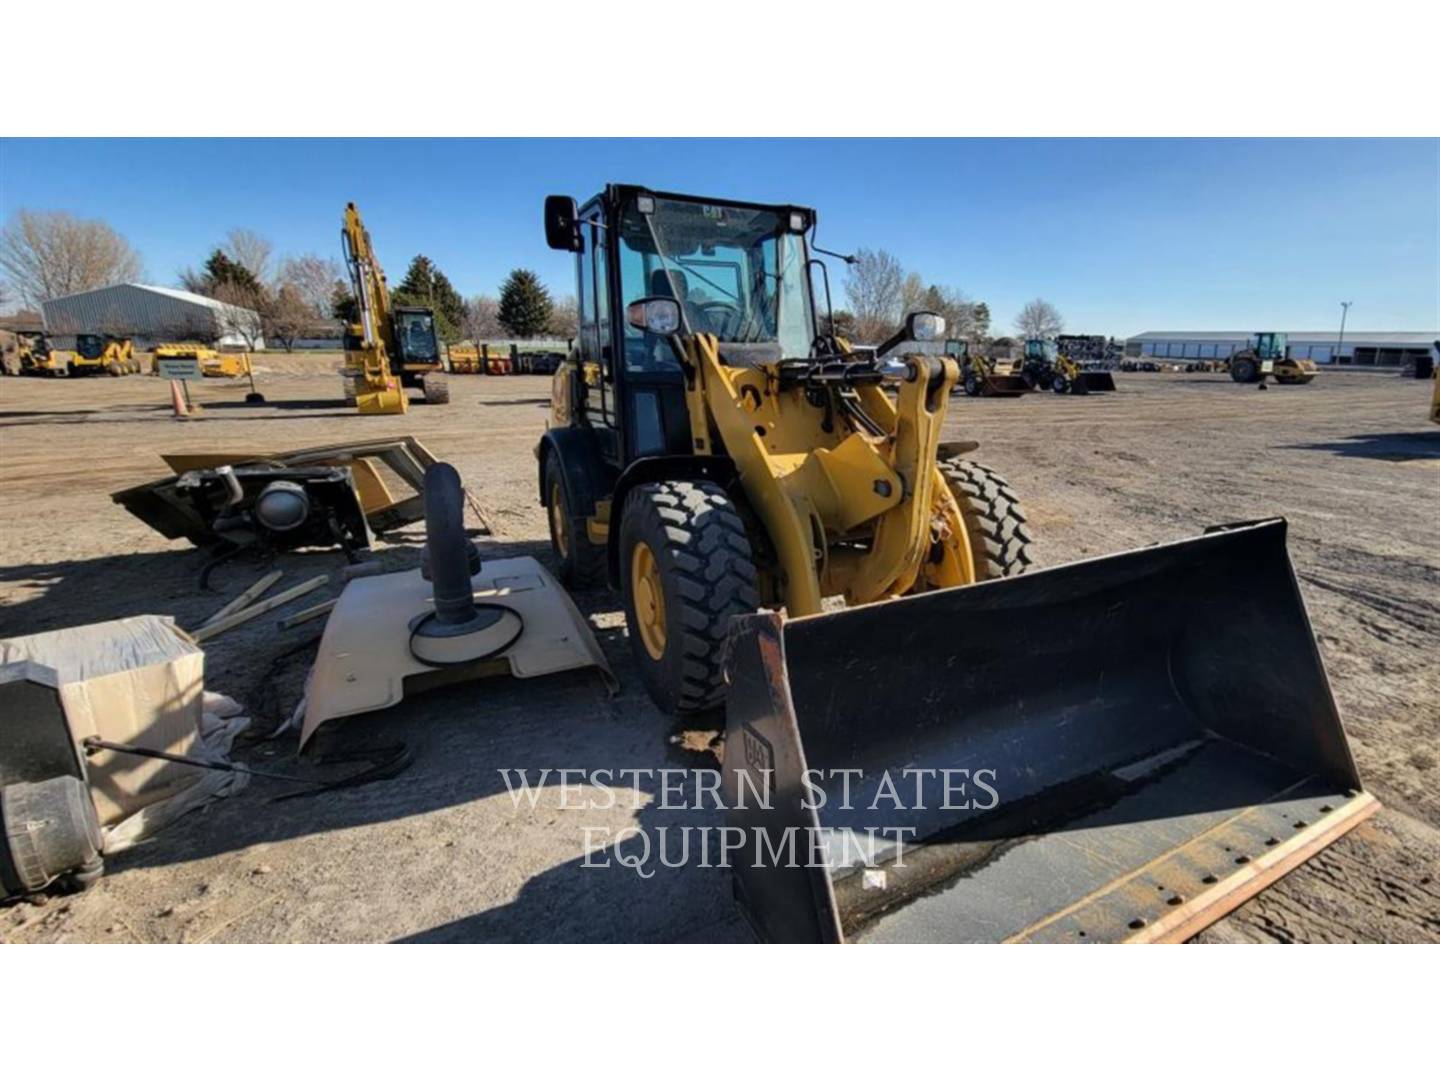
(107, 354)
(793, 538)
(1268, 356)
(980, 376)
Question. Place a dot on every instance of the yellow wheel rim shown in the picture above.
(558, 524)
(649, 599)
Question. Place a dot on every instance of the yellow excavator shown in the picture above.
(795, 539)
(389, 349)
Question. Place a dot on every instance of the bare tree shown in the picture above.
(873, 288)
(242, 313)
(285, 315)
(250, 250)
(1039, 319)
(964, 318)
(482, 318)
(314, 278)
(46, 254)
(565, 318)
(913, 294)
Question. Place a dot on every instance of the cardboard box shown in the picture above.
(138, 680)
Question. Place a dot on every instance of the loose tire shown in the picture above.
(994, 523)
(686, 540)
(582, 564)
(437, 390)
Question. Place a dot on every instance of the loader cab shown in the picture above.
(1038, 350)
(958, 349)
(90, 346)
(1269, 346)
(650, 265)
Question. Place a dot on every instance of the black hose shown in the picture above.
(450, 570)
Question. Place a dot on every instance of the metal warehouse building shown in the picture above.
(149, 314)
(1362, 348)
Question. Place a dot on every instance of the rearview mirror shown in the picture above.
(562, 225)
(654, 314)
(924, 326)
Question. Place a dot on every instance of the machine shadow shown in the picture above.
(1402, 446)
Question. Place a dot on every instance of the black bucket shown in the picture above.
(1120, 748)
(1093, 382)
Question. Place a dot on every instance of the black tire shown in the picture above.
(994, 522)
(707, 575)
(582, 564)
(437, 390)
(1244, 370)
(1060, 384)
(972, 384)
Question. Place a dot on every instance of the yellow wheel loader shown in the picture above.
(1268, 356)
(36, 356)
(389, 349)
(794, 538)
(1049, 367)
(981, 376)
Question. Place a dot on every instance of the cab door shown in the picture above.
(597, 361)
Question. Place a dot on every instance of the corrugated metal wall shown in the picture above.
(148, 317)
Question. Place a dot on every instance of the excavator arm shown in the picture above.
(371, 343)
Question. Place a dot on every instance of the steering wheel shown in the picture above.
(721, 316)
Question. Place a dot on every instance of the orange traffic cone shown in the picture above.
(177, 401)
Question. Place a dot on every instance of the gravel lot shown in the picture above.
(442, 854)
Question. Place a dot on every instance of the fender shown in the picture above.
(650, 470)
(586, 476)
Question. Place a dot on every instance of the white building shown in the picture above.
(1362, 348)
(150, 314)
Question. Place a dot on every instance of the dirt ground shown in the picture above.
(442, 854)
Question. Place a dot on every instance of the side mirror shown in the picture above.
(562, 224)
(919, 326)
(925, 326)
(654, 314)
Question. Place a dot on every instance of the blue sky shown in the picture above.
(1121, 235)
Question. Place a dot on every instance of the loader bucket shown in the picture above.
(1097, 381)
(1003, 386)
(1124, 748)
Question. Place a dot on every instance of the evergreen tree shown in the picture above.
(220, 270)
(342, 304)
(525, 306)
(424, 285)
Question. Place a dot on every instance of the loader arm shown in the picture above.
(848, 510)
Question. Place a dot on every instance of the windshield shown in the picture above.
(90, 346)
(736, 272)
(416, 333)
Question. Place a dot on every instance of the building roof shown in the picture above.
(1298, 337)
(160, 290)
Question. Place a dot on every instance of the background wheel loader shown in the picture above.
(389, 349)
(792, 537)
(1268, 356)
(980, 376)
(1052, 369)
